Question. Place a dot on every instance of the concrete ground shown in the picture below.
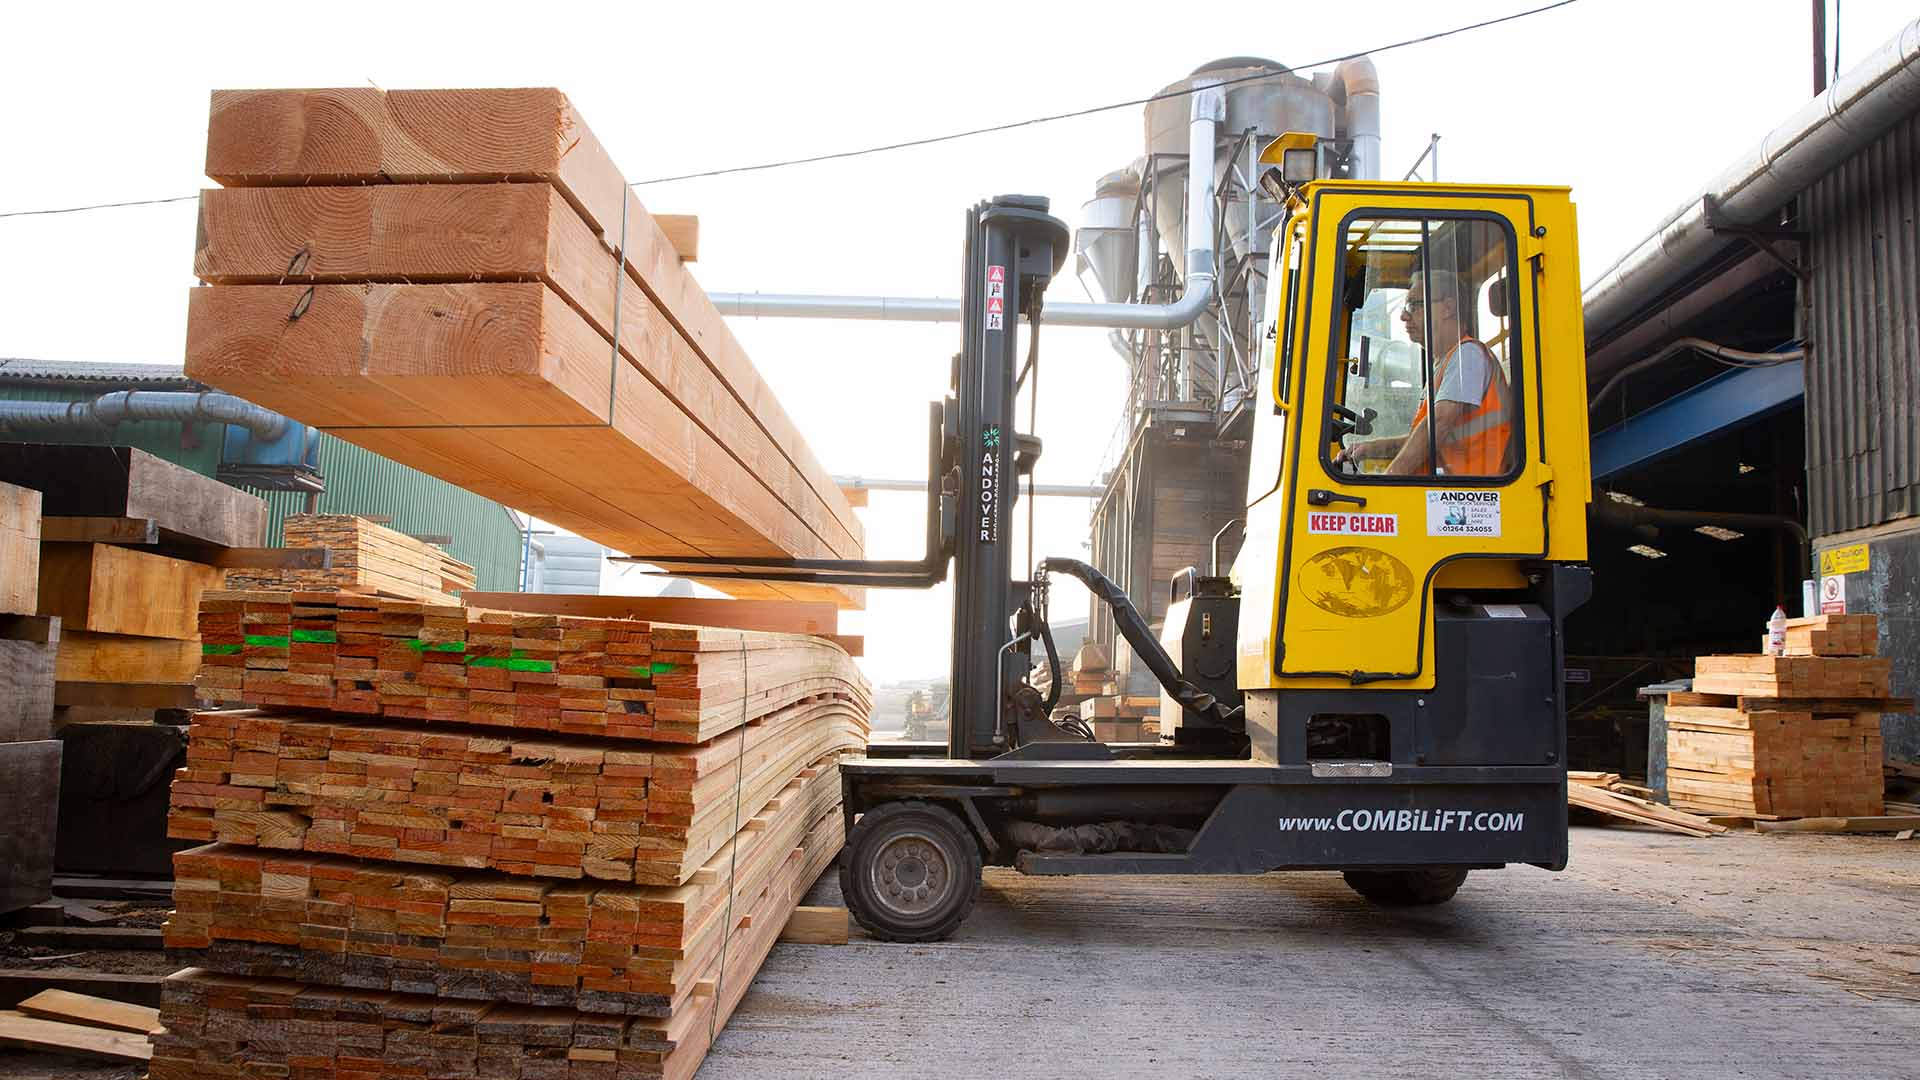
(1651, 956)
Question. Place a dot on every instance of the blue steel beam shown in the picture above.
(1719, 405)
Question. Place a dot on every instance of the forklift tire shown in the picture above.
(1406, 888)
(910, 872)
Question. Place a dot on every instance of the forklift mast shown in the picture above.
(1014, 248)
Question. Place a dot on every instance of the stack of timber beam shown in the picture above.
(29, 755)
(1833, 635)
(365, 557)
(462, 281)
(512, 891)
(1784, 736)
(128, 542)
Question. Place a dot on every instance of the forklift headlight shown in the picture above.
(1297, 165)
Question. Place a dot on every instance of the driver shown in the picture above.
(1469, 419)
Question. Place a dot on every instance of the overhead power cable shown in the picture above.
(95, 206)
(951, 136)
(1048, 119)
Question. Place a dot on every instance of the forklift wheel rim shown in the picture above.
(911, 875)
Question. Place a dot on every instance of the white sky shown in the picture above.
(1634, 103)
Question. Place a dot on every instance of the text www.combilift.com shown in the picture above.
(1410, 821)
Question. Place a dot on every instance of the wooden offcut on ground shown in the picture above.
(461, 281)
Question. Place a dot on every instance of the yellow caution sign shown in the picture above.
(1851, 559)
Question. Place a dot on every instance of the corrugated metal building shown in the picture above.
(483, 532)
(1863, 321)
(1755, 363)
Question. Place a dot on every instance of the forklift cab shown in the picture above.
(1387, 475)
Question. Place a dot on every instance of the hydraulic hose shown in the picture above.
(1127, 620)
(1053, 665)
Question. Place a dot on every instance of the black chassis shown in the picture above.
(1263, 817)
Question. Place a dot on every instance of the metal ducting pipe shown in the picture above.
(1361, 83)
(1208, 110)
(1713, 349)
(1626, 516)
(1859, 106)
(125, 406)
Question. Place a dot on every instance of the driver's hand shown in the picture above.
(1351, 453)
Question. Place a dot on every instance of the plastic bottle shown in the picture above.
(1777, 632)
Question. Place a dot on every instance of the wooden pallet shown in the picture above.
(461, 308)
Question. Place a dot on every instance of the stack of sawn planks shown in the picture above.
(395, 895)
(365, 557)
(1785, 736)
(573, 675)
(462, 281)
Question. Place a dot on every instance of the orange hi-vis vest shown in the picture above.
(1477, 445)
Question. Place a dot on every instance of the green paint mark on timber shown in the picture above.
(661, 667)
(436, 646)
(219, 650)
(266, 641)
(321, 637)
(516, 663)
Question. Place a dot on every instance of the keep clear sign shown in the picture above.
(996, 296)
(1463, 513)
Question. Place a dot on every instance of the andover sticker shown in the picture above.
(1463, 513)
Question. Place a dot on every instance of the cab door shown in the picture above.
(1414, 445)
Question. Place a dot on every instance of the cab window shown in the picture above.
(1423, 380)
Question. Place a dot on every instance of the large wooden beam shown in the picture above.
(122, 482)
(87, 657)
(492, 232)
(277, 139)
(385, 366)
(115, 590)
(20, 525)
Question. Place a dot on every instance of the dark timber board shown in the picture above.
(122, 482)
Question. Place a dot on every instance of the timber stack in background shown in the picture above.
(122, 545)
(128, 543)
(1791, 736)
(1092, 692)
(363, 557)
(462, 281)
(571, 864)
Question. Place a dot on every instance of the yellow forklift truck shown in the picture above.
(1376, 687)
